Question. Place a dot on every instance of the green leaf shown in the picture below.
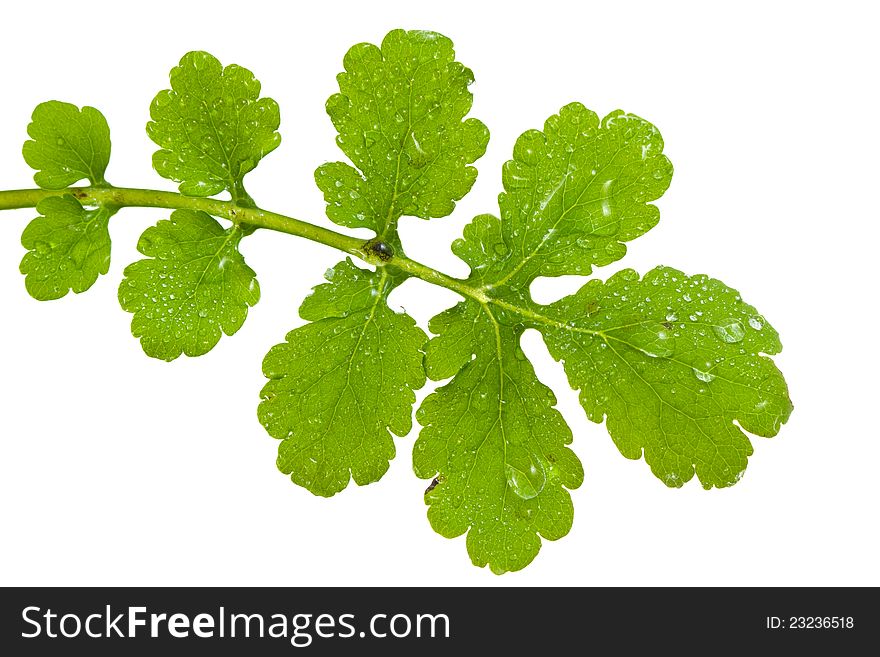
(212, 126)
(399, 115)
(672, 361)
(494, 442)
(68, 248)
(341, 384)
(574, 193)
(193, 286)
(67, 145)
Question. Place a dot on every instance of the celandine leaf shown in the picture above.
(193, 286)
(494, 442)
(672, 361)
(574, 193)
(67, 145)
(68, 248)
(68, 245)
(343, 383)
(400, 117)
(212, 126)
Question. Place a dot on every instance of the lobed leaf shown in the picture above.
(67, 145)
(574, 193)
(400, 118)
(193, 286)
(672, 361)
(340, 385)
(494, 443)
(212, 126)
(68, 248)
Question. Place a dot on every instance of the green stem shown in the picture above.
(248, 217)
(150, 198)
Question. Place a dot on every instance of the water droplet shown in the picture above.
(513, 176)
(417, 155)
(524, 512)
(756, 323)
(500, 248)
(705, 377)
(730, 330)
(671, 317)
(604, 226)
(607, 198)
(655, 341)
(43, 248)
(59, 141)
(370, 138)
(524, 471)
(528, 147)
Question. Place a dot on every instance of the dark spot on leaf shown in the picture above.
(668, 325)
(592, 308)
(432, 485)
(380, 249)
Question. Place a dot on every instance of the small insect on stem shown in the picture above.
(380, 249)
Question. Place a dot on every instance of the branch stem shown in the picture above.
(249, 217)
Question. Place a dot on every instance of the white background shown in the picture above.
(118, 469)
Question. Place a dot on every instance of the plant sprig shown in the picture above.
(678, 366)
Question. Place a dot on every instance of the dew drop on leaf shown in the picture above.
(524, 471)
(655, 341)
(729, 330)
(703, 376)
(528, 147)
